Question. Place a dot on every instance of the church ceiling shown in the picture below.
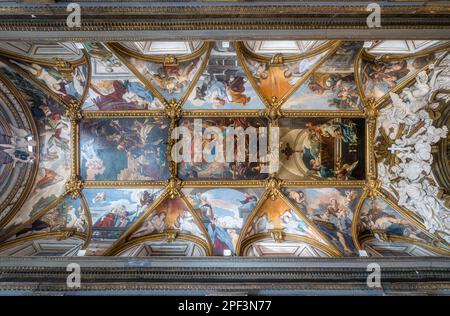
(90, 164)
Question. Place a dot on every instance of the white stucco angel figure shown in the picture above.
(413, 195)
(410, 177)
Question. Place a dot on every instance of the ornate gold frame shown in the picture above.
(173, 110)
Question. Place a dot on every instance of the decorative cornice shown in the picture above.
(250, 275)
(220, 17)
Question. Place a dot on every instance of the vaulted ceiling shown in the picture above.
(86, 165)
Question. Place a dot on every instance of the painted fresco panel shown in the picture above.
(223, 212)
(279, 215)
(123, 149)
(209, 166)
(378, 216)
(379, 77)
(223, 84)
(275, 80)
(66, 86)
(70, 214)
(172, 81)
(331, 210)
(55, 149)
(332, 86)
(113, 86)
(171, 214)
(114, 210)
(322, 148)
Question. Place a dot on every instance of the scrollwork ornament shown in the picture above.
(277, 235)
(273, 111)
(171, 235)
(65, 68)
(170, 60)
(66, 234)
(74, 187)
(371, 109)
(173, 109)
(277, 60)
(173, 187)
(73, 111)
(273, 186)
(372, 188)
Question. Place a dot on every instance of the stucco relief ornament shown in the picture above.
(73, 111)
(74, 187)
(410, 132)
(173, 109)
(173, 187)
(273, 187)
(440, 79)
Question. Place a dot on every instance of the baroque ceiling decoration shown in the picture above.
(359, 167)
(49, 51)
(113, 86)
(163, 48)
(401, 47)
(270, 48)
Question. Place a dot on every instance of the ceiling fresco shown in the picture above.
(92, 162)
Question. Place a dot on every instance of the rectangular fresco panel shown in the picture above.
(123, 149)
(208, 166)
(322, 149)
